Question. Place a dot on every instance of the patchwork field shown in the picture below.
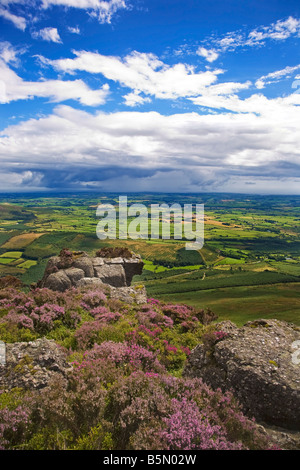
(21, 241)
(248, 267)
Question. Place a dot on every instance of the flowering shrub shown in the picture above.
(147, 416)
(13, 424)
(187, 429)
(153, 301)
(87, 334)
(149, 317)
(14, 418)
(129, 356)
(44, 316)
(125, 389)
(93, 299)
(172, 356)
(66, 258)
(210, 338)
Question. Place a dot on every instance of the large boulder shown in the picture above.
(130, 295)
(58, 281)
(32, 365)
(132, 267)
(256, 362)
(73, 269)
(85, 263)
(112, 274)
(74, 274)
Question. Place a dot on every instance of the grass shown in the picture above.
(4, 236)
(34, 273)
(21, 241)
(6, 260)
(241, 271)
(290, 267)
(27, 264)
(230, 261)
(12, 254)
(247, 303)
(196, 282)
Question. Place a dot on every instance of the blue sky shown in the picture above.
(150, 95)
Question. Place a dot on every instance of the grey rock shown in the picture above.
(282, 438)
(84, 263)
(114, 275)
(98, 261)
(90, 281)
(117, 260)
(74, 274)
(255, 362)
(133, 266)
(2, 353)
(58, 281)
(131, 295)
(32, 365)
(61, 273)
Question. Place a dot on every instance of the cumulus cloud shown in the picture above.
(48, 34)
(15, 88)
(186, 152)
(209, 55)
(18, 21)
(134, 99)
(276, 76)
(213, 46)
(102, 10)
(10, 54)
(145, 75)
(278, 31)
(276, 109)
(74, 30)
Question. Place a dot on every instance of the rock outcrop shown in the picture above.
(32, 365)
(73, 269)
(256, 363)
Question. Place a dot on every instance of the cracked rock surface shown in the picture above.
(32, 365)
(256, 363)
(62, 273)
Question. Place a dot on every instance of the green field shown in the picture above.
(12, 254)
(247, 303)
(249, 266)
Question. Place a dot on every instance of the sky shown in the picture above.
(150, 95)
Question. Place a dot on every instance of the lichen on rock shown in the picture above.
(71, 269)
(255, 362)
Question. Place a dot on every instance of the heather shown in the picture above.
(125, 389)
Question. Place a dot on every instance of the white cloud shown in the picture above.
(276, 76)
(15, 88)
(147, 76)
(141, 72)
(12, 181)
(231, 40)
(200, 152)
(209, 55)
(75, 30)
(9, 54)
(18, 21)
(134, 99)
(278, 31)
(276, 110)
(48, 34)
(103, 10)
